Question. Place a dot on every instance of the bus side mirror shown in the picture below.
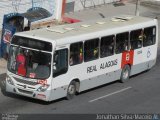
(54, 66)
(55, 58)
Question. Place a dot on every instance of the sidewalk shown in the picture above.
(151, 3)
(108, 10)
(3, 65)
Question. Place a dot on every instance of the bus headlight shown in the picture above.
(43, 88)
(9, 80)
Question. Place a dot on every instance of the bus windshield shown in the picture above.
(29, 63)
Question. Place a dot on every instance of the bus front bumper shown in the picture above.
(25, 90)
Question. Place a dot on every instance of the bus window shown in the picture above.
(29, 63)
(121, 42)
(135, 39)
(91, 50)
(60, 63)
(150, 34)
(107, 46)
(76, 53)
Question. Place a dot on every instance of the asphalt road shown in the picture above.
(139, 95)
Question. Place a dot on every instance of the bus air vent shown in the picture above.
(69, 28)
(57, 30)
(85, 25)
(26, 81)
(121, 18)
(100, 22)
(25, 91)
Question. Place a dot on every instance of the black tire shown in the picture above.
(125, 74)
(3, 85)
(71, 91)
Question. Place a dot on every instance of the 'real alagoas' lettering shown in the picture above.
(108, 64)
(104, 65)
(91, 69)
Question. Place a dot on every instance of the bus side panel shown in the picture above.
(58, 92)
(144, 59)
(90, 74)
(150, 55)
(100, 80)
(59, 86)
(138, 62)
(104, 73)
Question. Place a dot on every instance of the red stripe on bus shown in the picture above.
(127, 58)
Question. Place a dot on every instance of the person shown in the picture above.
(71, 60)
(21, 61)
(111, 47)
(12, 22)
(13, 58)
(142, 36)
(126, 45)
(81, 55)
(95, 52)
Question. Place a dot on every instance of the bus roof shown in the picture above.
(63, 34)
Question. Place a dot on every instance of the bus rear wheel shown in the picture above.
(71, 90)
(125, 74)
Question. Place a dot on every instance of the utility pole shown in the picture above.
(137, 8)
(32, 3)
(59, 8)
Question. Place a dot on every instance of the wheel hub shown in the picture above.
(125, 74)
(71, 89)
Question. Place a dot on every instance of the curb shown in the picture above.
(155, 4)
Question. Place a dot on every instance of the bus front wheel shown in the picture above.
(71, 90)
(125, 74)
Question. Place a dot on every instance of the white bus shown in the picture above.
(56, 62)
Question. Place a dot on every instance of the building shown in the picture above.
(55, 7)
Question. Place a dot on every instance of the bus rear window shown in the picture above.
(32, 43)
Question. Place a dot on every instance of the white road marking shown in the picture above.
(110, 94)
